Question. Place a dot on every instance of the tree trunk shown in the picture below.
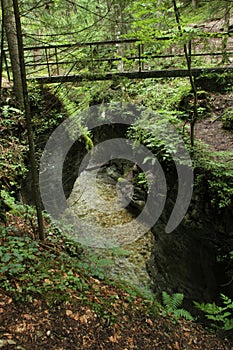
(26, 107)
(10, 29)
(2, 49)
(226, 31)
(187, 53)
(195, 4)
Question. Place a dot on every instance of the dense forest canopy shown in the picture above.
(84, 21)
(54, 23)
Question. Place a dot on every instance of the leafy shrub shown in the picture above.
(164, 95)
(47, 110)
(150, 132)
(227, 119)
(16, 255)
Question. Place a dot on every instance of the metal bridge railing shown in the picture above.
(128, 55)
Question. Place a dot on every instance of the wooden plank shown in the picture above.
(171, 73)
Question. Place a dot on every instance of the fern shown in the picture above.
(172, 305)
(182, 313)
(171, 302)
(221, 315)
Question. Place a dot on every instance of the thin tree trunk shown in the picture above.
(10, 29)
(2, 49)
(195, 4)
(191, 78)
(28, 121)
(226, 30)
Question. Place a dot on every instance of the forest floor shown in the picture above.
(74, 325)
(103, 316)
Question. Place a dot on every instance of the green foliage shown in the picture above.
(142, 180)
(220, 187)
(160, 95)
(10, 202)
(220, 315)
(67, 93)
(152, 18)
(75, 21)
(172, 306)
(78, 98)
(95, 265)
(227, 119)
(17, 255)
(14, 168)
(215, 173)
(150, 131)
(24, 211)
(47, 110)
(27, 272)
(13, 145)
(206, 11)
(186, 105)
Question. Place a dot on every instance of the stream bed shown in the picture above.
(98, 203)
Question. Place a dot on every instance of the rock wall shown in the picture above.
(191, 260)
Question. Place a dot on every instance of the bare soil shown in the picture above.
(210, 130)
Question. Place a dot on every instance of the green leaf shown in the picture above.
(6, 257)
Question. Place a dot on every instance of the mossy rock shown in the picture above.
(227, 119)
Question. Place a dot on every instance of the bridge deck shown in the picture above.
(168, 73)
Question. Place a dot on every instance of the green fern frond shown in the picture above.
(171, 306)
(228, 325)
(182, 313)
(220, 315)
(172, 302)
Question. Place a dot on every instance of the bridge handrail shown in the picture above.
(122, 41)
(49, 56)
